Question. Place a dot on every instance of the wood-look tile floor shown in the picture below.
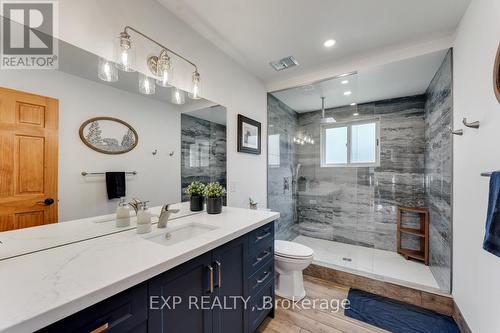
(316, 320)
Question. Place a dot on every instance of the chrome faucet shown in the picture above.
(136, 203)
(164, 215)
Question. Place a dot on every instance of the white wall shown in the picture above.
(158, 126)
(93, 25)
(476, 273)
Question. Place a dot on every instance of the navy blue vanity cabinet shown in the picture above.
(126, 312)
(230, 283)
(237, 278)
(192, 282)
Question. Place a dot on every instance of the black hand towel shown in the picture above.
(115, 184)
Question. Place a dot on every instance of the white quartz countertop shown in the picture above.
(23, 241)
(43, 287)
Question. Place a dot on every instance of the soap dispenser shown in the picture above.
(143, 219)
(122, 214)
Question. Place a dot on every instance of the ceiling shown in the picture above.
(398, 79)
(256, 32)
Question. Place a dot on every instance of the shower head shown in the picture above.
(324, 120)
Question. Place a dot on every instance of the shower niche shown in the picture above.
(356, 148)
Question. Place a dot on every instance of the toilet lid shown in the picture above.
(292, 249)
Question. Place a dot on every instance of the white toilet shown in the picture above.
(291, 259)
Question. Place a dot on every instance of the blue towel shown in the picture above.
(492, 234)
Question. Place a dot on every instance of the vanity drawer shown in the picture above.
(261, 236)
(261, 278)
(260, 307)
(125, 312)
(260, 256)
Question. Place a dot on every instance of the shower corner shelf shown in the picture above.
(423, 234)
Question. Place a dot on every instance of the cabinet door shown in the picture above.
(190, 281)
(230, 282)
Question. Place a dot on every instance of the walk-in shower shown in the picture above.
(345, 153)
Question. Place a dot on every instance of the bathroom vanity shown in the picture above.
(125, 282)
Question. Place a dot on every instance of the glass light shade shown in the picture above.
(125, 53)
(107, 71)
(196, 88)
(178, 96)
(164, 70)
(165, 78)
(146, 85)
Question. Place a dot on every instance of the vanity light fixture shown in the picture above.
(146, 84)
(329, 43)
(195, 94)
(125, 52)
(160, 66)
(107, 70)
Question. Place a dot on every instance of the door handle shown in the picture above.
(46, 202)
(211, 287)
(219, 274)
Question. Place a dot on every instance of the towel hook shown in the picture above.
(474, 124)
(459, 132)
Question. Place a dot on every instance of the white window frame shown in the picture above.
(349, 125)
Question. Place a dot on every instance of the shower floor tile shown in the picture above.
(383, 265)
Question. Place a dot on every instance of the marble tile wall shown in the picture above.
(282, 121)
(210, 135)
(438, 171)
(357, 205)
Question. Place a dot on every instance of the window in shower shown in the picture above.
(350, 144)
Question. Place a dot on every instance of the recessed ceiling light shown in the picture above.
(347, 93)
(355, 114)
(345, 82)
(353, 104)
(329, 43)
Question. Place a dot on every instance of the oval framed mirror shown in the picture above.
(496, 75)
(108, 135)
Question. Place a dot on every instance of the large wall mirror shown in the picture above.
(61, 180)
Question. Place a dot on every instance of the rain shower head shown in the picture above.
(324, 120)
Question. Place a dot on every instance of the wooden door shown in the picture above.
(28, 159)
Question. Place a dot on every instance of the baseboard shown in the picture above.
(460, 320)
(439, 303)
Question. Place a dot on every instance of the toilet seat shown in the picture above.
(292, 250)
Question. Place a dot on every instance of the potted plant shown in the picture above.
(214, 193)
(195, 191)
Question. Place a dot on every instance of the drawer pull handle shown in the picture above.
(219, 273)
(211, 270)
(101, 328)
(259, 281)
(263, 256)
(263, 236)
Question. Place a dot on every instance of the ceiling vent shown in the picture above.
(284, 63)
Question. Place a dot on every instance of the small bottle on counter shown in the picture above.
(122, 214)
(143, 219)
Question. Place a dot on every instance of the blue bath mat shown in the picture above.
(396, 316)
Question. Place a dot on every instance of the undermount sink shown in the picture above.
(178, 234)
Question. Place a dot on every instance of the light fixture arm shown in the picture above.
(127, 27)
